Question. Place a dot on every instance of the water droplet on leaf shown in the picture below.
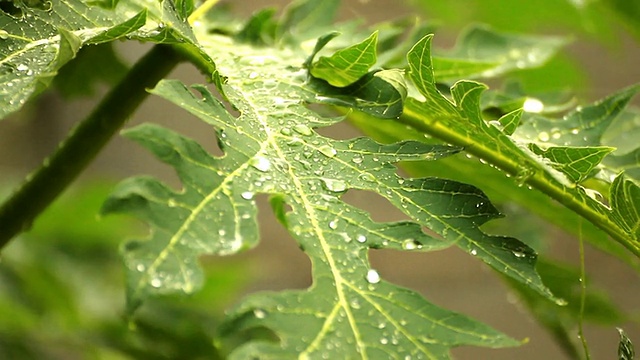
(302, 129)
(327, 151)
(261, 163)
(247, 195)
(361, 238)
(333, 224)
(335, 185)
(543, 136)
(373, 277)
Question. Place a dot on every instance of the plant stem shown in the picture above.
(83, 143)
(583, 295)
(538, 180)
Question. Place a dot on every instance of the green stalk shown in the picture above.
(538, 180)
(83, 143)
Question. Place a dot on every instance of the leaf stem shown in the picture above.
(583, 295)
(83, 143)
(538, 179)
(201, 10)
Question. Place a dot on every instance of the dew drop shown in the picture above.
(474, 252)
(285, 131)
(575, 131)
(361, 238)
(518, 254)
(247, 195)
(259, 313)
(543, 136)
(141, 267)
(411, 244)
(357, 159)
(260, 163)
(384, 341)
(156, 283)
(373, 277)
(4, 35)
(302, 129)
(533, 105)
(333, 224)
(327, 151)
(335, 185)
(366, 177)
(22, 67)
(222, 232)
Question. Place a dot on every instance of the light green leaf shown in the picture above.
(584, 126)
(575, 162)
(625, 202)
(483, 52)
(348, 65)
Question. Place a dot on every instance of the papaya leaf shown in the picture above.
(37, 42)
(346, 66)
(459, 121)
(482, 52)
(272, 147)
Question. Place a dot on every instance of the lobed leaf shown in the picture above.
(36, 42)
(459, 121)
(272, 147)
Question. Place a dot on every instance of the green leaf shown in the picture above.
(458, 121)
(576, 162)
(625, 347)
(39, 42)
(348, 65)
(483, 52)
(272, 147)
(625, 202)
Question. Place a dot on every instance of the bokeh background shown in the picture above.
(61, 285)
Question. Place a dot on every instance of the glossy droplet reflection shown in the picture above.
(373, 277)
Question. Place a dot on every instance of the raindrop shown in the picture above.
(333, 224)
(259, 313)
(285, 131)
(22, 67)
(361, 238)
(4, 35)
(366, 177)
(373, 277)
(543, 136)
(327, 151)
(474, 252)
(518, 254)
(384, 341)
(357, 159)
(533, 105)
(247, 195)
(302, 129)
(260, 163)
(156, 283)
(555, 133)
(411, 244)
(575, 131)
(335, 185)
(141, 267)
(222, 232)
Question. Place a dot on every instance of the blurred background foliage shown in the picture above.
(61, 283)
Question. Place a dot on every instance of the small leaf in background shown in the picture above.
(484, 52)
(348, 65)
(625, 347)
